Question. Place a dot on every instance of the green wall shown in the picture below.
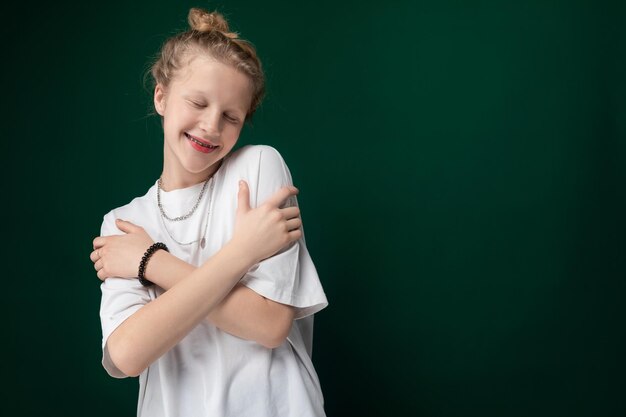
(461, 167)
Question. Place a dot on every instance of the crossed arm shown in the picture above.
(209, 292)
(243, 312)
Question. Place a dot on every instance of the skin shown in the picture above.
(208, 100)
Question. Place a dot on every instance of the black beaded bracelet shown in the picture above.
(144, 260)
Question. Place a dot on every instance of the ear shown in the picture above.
(159, 99)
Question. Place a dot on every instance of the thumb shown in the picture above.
(124, 226)
(243, 197)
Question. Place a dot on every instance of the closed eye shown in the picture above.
(231, 119)
(197, 105)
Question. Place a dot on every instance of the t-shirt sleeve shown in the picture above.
(289, 276)
(120, 299)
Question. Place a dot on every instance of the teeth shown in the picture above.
(200, 143)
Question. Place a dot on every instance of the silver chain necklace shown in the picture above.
(193, 209)
(202, 239)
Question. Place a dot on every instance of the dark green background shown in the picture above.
(462, 175)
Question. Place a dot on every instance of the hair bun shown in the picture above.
(203, 21)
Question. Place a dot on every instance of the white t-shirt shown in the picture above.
(210, 372)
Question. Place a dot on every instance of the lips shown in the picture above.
(200, 142)
(201, 145)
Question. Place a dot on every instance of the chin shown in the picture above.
(198, 169)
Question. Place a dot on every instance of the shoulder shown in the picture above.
(263, 167)
(259, 163)
(136, 208)
(255, 154)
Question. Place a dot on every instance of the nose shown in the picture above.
(211, 123)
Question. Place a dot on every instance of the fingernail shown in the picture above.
(240, 183)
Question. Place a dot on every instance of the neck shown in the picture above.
(173, 180)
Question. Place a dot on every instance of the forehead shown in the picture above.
(204, 76)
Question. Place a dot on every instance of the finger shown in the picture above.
(126, 226)
(290, 212)
(293, 224)
(243, 198)
(98, 265)
(278, 198)
(99, 242)
(290, 202)
(295, 235)
(101, 275)
(94, 256)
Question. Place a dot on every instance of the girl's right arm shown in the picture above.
(243, 312)
(159, 325)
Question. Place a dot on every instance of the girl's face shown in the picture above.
(203, 112)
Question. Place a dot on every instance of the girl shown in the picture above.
(208, 289)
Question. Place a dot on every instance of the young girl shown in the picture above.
(208, 289)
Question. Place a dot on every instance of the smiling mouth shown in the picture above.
(203, 144)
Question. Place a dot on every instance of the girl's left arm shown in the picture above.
(243, 312)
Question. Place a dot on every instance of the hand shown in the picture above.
(263, 231)
(120, 255)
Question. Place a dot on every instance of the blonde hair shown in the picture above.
(209, 35)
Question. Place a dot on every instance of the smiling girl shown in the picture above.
(208, 290)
